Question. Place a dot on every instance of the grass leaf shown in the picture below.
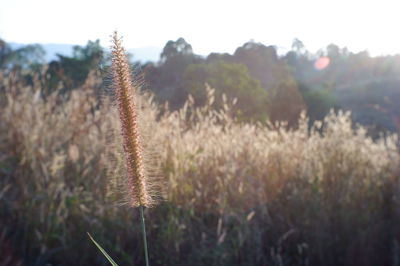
(103, 251)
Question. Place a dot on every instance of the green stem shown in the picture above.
(146, 254)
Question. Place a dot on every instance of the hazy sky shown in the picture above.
(209, 25)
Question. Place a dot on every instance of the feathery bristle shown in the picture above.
(125, 92)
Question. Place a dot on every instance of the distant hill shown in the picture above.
(143, 54)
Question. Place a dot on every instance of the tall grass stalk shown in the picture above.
(146, 253)
(125, 91)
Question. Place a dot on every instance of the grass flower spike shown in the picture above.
(125, 94)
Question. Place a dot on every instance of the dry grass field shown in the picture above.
(233, 193)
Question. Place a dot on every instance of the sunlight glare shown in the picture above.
(321, 63)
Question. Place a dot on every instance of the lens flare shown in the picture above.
(322, 63)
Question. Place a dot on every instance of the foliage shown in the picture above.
(5, 51)
(26, 57)
(166, 79)
(263, 63)
(73, 71)
(346, 79)
(103, 251)
(286, 103)
(375, 108)
(173, 49)
(318, 101)
(232, 80)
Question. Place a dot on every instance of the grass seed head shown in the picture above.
(132, 146)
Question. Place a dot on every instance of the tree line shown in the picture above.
(264, 84)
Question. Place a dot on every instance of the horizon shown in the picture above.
(152, 53)
(210, 27)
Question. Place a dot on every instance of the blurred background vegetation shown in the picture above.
(267, 85)
(249, 178)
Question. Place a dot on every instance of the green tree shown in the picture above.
(263, 63)
(318, 101)
(286, 103)
(5, 51)
(298, 59)
(176, 48)
(298, 47)
(165, 79)
(231, 79)
(28, 56)
(73, 71)
(25, 57)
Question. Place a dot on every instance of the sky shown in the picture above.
(208, 25)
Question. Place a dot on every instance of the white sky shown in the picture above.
(209, 25)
